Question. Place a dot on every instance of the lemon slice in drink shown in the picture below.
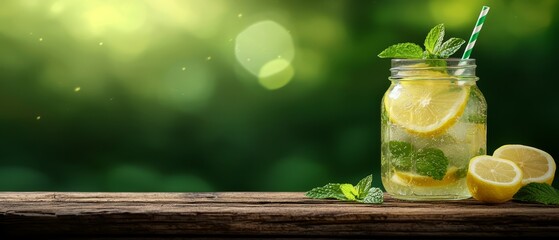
(426, 107)
(412, 179)
(537, 165)
(493, 180)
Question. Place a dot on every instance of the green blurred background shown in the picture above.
(244, 95)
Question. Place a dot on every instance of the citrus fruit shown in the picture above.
(426, 107)
(493, 180)
(412, 179)
(537, 165)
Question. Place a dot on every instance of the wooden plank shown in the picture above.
(262, 214)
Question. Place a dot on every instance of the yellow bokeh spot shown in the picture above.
(276, 74)
(260, 44)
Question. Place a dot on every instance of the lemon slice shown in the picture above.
(412, 179)
(537, 165)
(426, 107)
(492, 179)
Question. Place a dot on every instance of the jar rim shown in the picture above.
(448, 63)
(451, 68)
(450, 60)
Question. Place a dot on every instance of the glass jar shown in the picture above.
(433, 121)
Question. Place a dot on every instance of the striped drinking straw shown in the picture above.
(475, 33)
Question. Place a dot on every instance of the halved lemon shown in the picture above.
(537, 165)
(426, 107)
(412, 179)
(493, 180)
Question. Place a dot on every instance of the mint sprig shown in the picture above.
(434, 47)
(538, 193)
(362, 192)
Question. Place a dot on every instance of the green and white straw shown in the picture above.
(475, 33)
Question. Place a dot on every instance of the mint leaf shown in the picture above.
(434, 39)
(402, 50)
(384, 116)
(401, 154)
(539, 193)
(479, 118)
(431, 162)
(374, 195)
(330, 190)
(349, 191)
(449, 47)
(363, 186)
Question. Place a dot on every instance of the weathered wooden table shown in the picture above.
(261, 214)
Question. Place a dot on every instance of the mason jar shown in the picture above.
(433, 121)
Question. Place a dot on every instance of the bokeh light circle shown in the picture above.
(262, 43)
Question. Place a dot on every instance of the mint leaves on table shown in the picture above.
(362, 192)
(428, 161)
(539, 193)
(435, 48)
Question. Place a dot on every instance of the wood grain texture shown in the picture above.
(262, 214)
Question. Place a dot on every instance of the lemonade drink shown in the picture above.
(433, 121)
